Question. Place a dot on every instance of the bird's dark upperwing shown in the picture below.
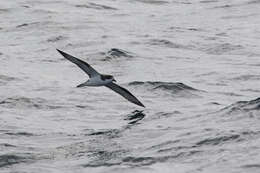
(125, 93)
(81, 64)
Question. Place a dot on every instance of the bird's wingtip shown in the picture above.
(58, 50)
(141, 104)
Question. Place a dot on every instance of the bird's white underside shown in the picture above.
(97, 81)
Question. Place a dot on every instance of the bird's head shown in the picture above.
(108, 77)
(113, 79)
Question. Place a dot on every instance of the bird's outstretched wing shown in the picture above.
(125, 93)
(81, 64)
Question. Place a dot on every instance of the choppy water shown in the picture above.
(194, 64)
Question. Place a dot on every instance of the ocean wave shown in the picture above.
(36, 25)
(111, 133)
(242, 106)
(6, 145)
(135, 116)
(253, 2)
(4, 10)
(27, 134)
(136, 160)
(25, 102)
(95, 6)
(218, 140)
(167, 43)
(247, 77)
(115, 53)
(56, 39)
(168, 87)
(5, 79)
(219, 49)
(208, 1)
(156, 2)
(11, 159)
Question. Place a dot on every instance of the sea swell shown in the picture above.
(173, 88)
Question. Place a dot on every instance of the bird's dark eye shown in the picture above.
(104, 77)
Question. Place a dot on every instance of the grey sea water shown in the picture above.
(193, 63)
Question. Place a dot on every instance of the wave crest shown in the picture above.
(25, 102)
(243, 106)
(117, 53)
(169, 87)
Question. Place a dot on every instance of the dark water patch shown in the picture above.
(168, 87)
(224, 6)
(155, 2)
(164, 115)
(218, 140)
(135, 116)
(107, 156)
(251, 90)
(5, 79)
(242, 106)
(7, 145)
(182, 29)
(26, 6)
(95, 6)
(111, 133)
(141, 161)
(111, 160)
(231, 5)
(250, 134)
(164, 145)
(169, 44)
(219, 49)
(82, 106)
(222, 34)
(11, 159)
(173, 149)
(56, 39)
(4, 10)
(162, 85)
(208, 1)
(253, 2)
(25, 102)
(146, 161)
(230, 93)
(247, 77)
(34, 25)
(115, 53)
(214, 103)
(240, 16)
(251, 166)
(27, 134)
(44, 11)
(97, 151)
(22, 25)
(94, 165)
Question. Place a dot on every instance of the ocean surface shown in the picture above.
(194, 64)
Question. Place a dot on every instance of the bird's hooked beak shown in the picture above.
(81, 85)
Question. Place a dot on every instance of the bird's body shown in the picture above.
(96, 79)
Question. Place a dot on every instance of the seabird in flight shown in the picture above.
(97, 79)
